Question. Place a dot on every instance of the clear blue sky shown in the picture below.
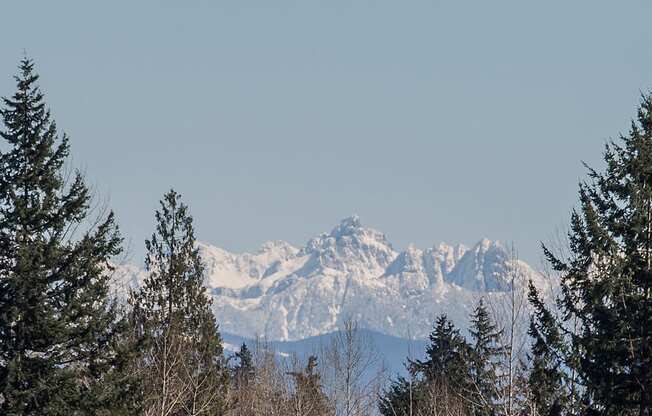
(432, 120)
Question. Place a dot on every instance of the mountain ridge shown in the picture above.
(287, 293)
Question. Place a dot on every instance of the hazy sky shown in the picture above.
(432, 120)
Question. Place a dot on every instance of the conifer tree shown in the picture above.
(244, 371)
(447, 356)
(446, 368)
(546, 377)
(56, 320)
(182, 361)
(484, 357)
(403, 397)
(606, 283)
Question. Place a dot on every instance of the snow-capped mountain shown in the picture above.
(287, 293)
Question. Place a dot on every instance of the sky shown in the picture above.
(432, 120)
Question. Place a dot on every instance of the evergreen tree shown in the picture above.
(56, 320)
(402, 398)
(451, 376)
(244, 371)
(546, 379)
(606, 284)
(447, 357)
(182, 360)
(485, 354)
(446, 369)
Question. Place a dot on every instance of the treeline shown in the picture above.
(482, 375)
(68, 346)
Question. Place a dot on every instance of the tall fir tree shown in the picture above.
(446, 368)
(56, 320)
(244, 372)
(447, 356)
(606, 283)
(182, 356)
(484, 357)
(547, 378)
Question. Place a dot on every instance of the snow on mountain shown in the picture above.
(235, 271)
(286, 293)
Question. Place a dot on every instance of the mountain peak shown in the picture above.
(483, 268)
(350, 247)
(347, 226)
(486, 244)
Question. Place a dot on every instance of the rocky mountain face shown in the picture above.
(286, 293)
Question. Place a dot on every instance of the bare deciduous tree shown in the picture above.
(164, 389)
(440, 400)
(352, 370)
(510, 312)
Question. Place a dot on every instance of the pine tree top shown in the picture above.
(604, 331)
(57, 320)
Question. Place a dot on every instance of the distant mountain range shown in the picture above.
(285, 293)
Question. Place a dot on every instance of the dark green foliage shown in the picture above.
(244, 372)
(176, 329)
(447, 356)
(403, 397)
(56, 320)
(606, 284)
(174, 287)
(546, 379)
(447, 368)
(484, 356)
